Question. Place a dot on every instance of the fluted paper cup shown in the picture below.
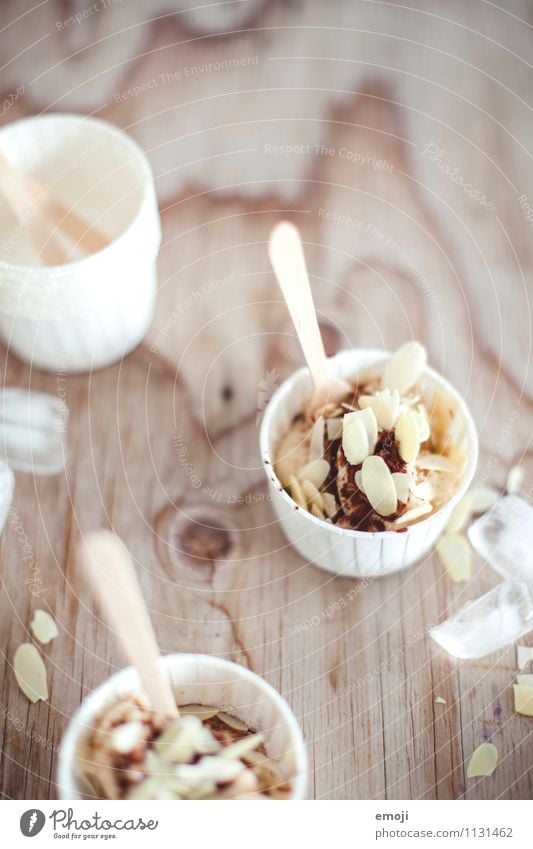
(91, 311)
(343, 551)
(198, 679)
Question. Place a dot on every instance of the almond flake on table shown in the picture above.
(439, 700)
(483, 761)
(460, 515)
(523, 699)
(30, 672)
(456, 556)
(43, 627)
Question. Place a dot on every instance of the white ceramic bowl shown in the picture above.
(87, 313)
(344, 551)
(200, 679)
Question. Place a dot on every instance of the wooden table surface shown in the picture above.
(398, 137)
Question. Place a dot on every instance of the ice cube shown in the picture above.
(503, 537)
(489, 623)
(33, 429)
(7, 486)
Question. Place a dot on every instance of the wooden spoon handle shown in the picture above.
(111, 573)
(287, 257)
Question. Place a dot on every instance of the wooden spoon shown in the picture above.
(53, 229)
(110, 571)
(286, 254)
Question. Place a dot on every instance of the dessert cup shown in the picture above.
(343, 551)
(91, 311)
(199, 679)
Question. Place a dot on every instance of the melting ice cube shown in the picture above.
(489, 623)
(504, 537)
(33, 429)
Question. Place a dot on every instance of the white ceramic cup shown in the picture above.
(92, 311)
(199, 679)
(357, 554)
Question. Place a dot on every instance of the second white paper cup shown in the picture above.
(199, 679)
(357, 554)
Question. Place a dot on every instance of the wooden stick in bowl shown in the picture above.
(111, 574)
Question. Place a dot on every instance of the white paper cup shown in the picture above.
(199, 679)
(87, 313)
(357, 554)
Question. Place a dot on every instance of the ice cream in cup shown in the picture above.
(364, 486)
(235, 738)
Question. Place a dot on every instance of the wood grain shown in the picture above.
(163, 447)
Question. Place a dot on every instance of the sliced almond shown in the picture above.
(385, 405)
(456, 556)
(483, 761)
(515, 479)
(316, 444)
(359, 481)
(316, 471)
(523, 699)
(296, 492)
(354, 439)
(440, 701)
(435, 463)
(422, 421)
(201, 711)
(312, 495)
(43, 627)
(242, 747)
(523, 656)
(316, 512)
(483, 498)
(525, 680)
(404, 367)
(379, 486)
(30, 672)
(334, 429)
(415, 513)
(460, 515)
(423, 489)
(371, 426)
(126, 736)
(402, 482)
(330, 504)
(406, 433)
(232, 721)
